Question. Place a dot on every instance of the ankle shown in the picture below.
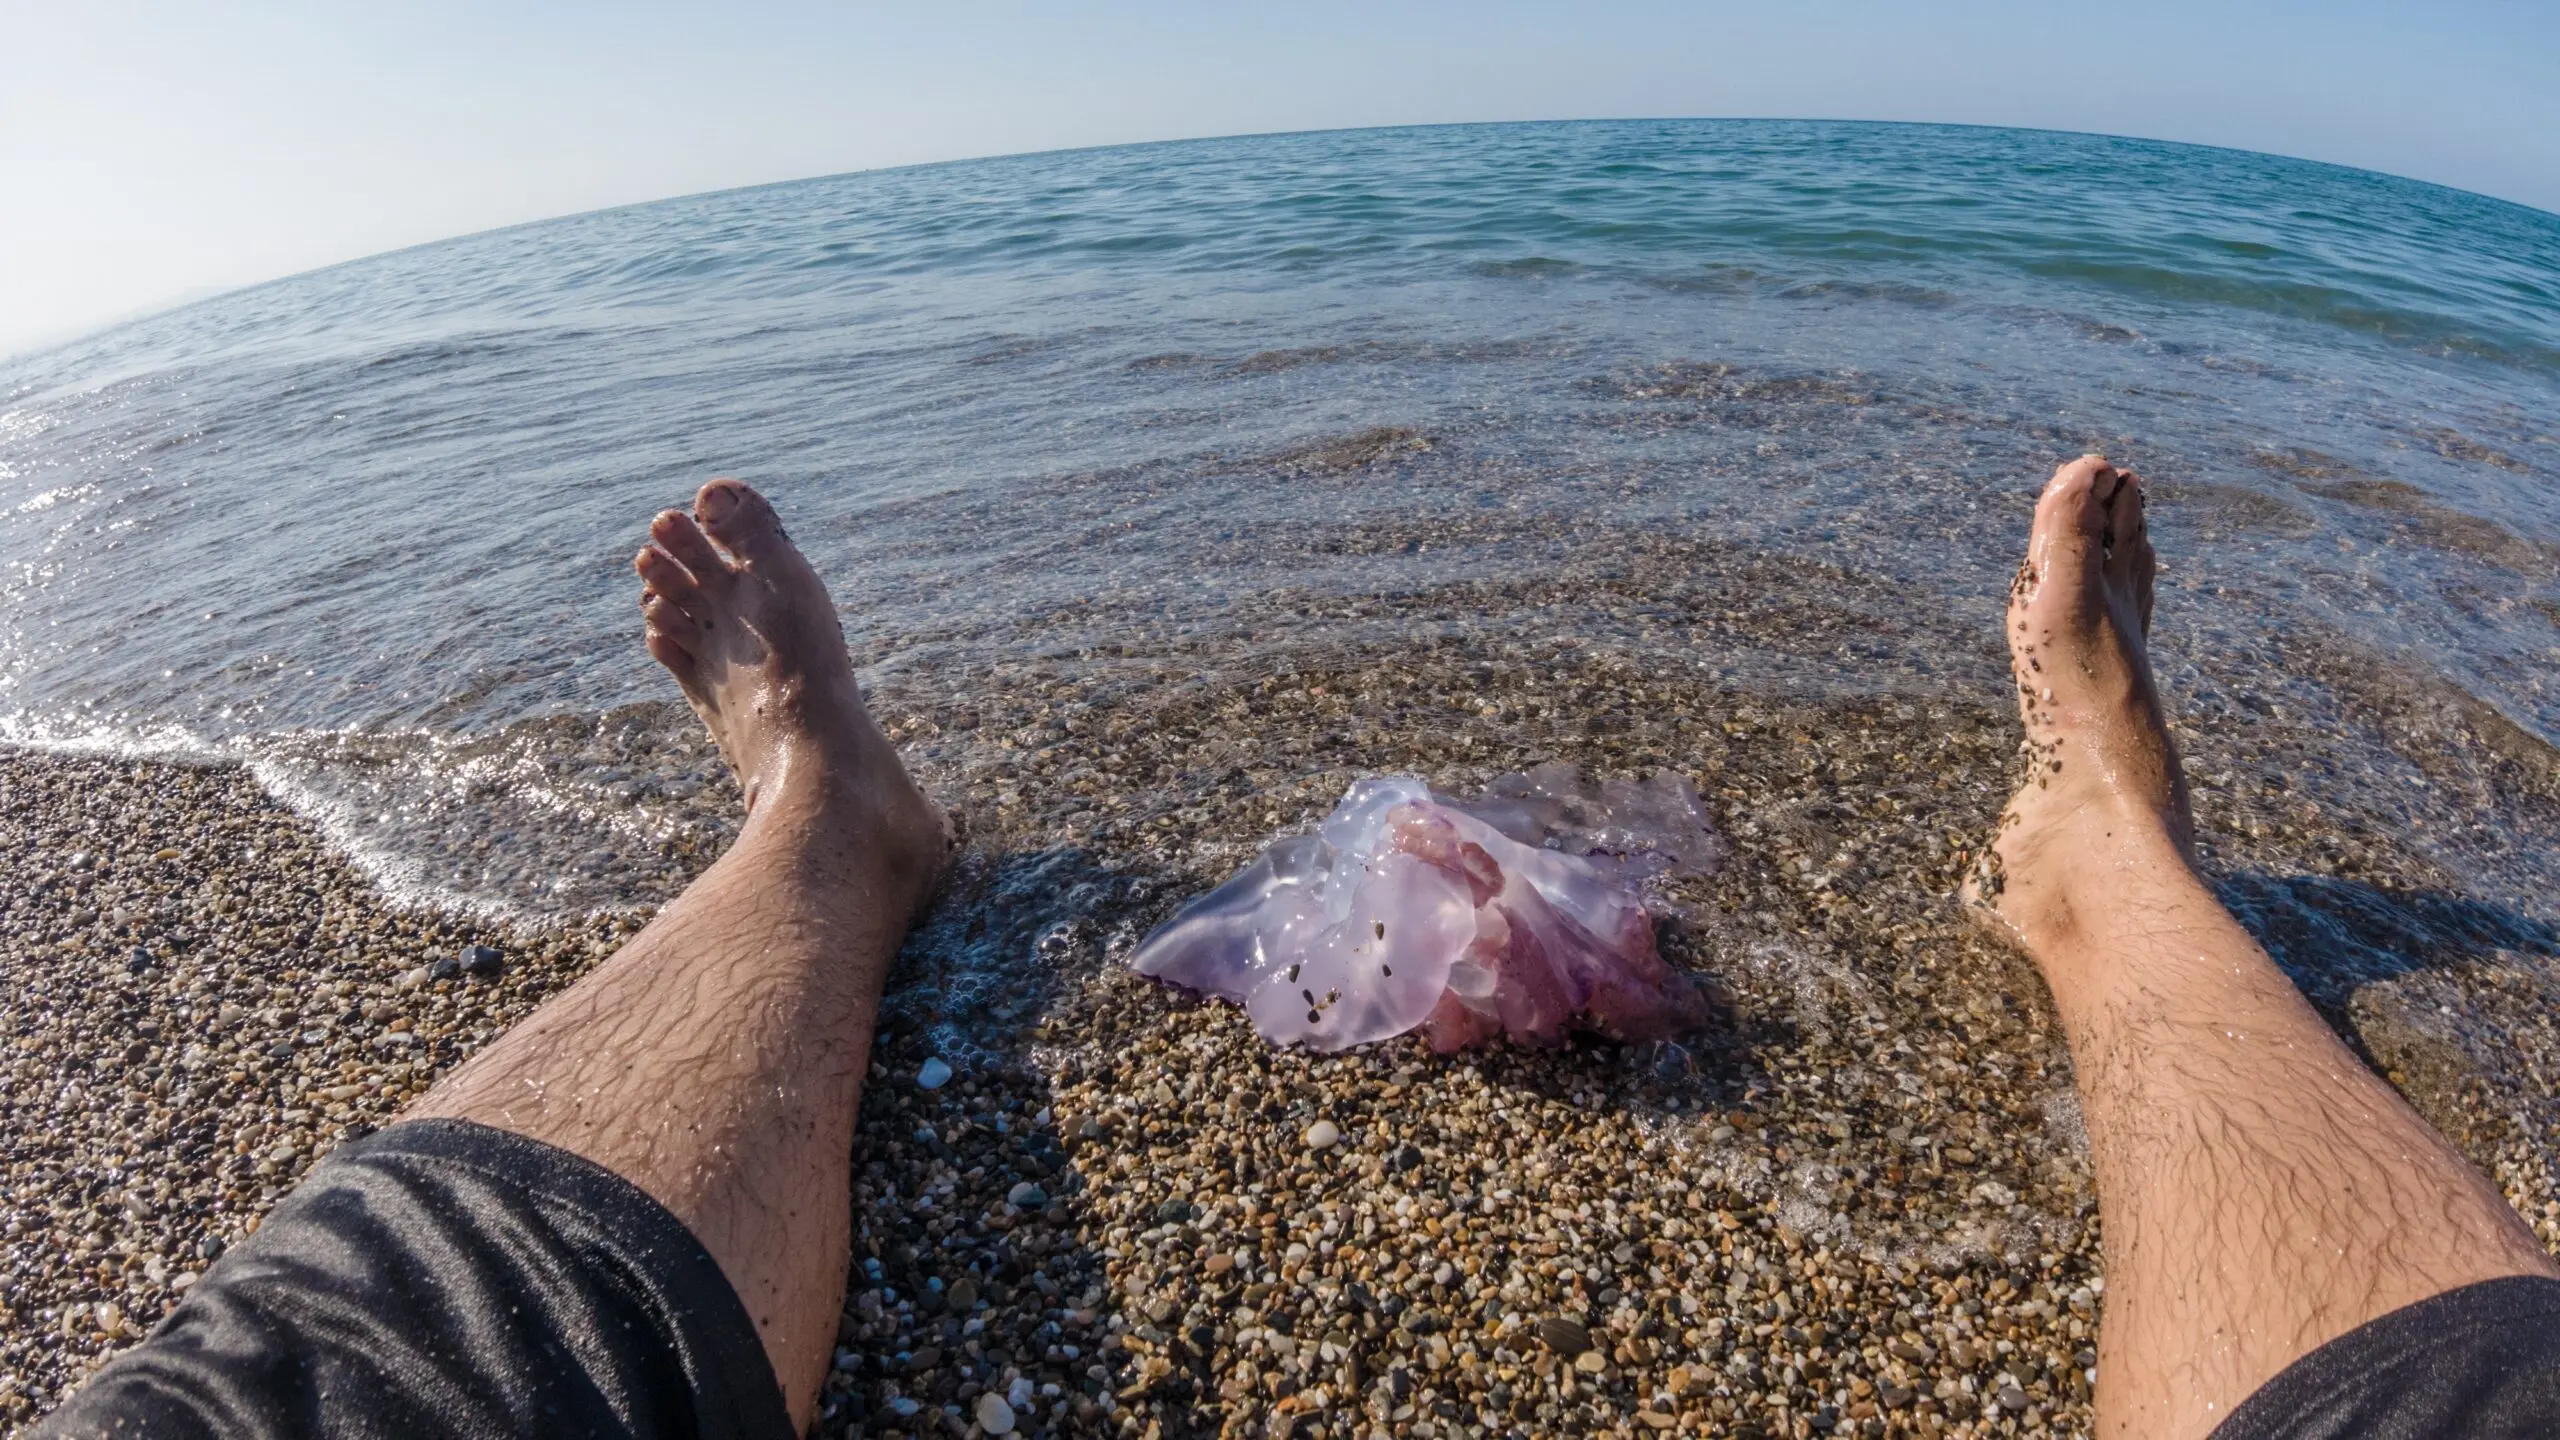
(2083, 879)
(865, 816)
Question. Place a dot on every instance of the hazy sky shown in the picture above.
(150, 150)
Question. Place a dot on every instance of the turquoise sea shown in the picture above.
(369, 528)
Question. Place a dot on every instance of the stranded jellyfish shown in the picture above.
(1518, 912)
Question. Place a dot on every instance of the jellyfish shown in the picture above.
(1520, 912)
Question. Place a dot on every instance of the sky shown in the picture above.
(154, 151)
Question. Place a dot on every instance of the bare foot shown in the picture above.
(2102, 789)
(736, 614)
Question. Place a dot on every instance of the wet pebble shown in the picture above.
(224, 1013)
(1564, 1336)
(1858, 1205)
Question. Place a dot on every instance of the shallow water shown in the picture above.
(1201, 414)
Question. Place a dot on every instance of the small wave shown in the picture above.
(549, 819)
(1527, 267)
(542, 822)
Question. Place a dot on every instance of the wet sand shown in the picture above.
(1859, 1203)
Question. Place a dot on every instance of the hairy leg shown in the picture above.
(716, 1061)
(2262, 1191)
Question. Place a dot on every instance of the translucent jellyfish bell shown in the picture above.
(1517, 913)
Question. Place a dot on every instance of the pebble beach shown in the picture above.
(1859, 1203)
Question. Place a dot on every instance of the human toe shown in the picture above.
(2124, 534)
(2075, 498)
(668, 651)
(666, 618)
(674, 639)
(741, 520)
(667, 579)
(676, 533)
(2070, 526)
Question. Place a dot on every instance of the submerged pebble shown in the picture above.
(933, 1074)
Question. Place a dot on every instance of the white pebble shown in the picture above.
(1019, 1393)
(933, 1074)
(994, 1415)
(1323, 1135)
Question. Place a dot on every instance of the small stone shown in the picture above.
(1026, 1196)
(933, 1074)
(963, 1296)
(1323, 1135)
(1591, 1362)
(995, 1416)
(447, 968)
(411, 979)
(1563, 1336)
(1019, 1394)
(138, 961)
(2012, 1398)
(482, 962)
(1220, 1263)
(1655, 1419)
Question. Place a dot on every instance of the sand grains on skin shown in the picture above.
(2099, 771)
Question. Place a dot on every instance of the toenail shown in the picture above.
(716, 503)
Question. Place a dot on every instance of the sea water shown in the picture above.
(369, 528)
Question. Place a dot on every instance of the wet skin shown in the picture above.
(717, 1060)
(2261, 1191)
